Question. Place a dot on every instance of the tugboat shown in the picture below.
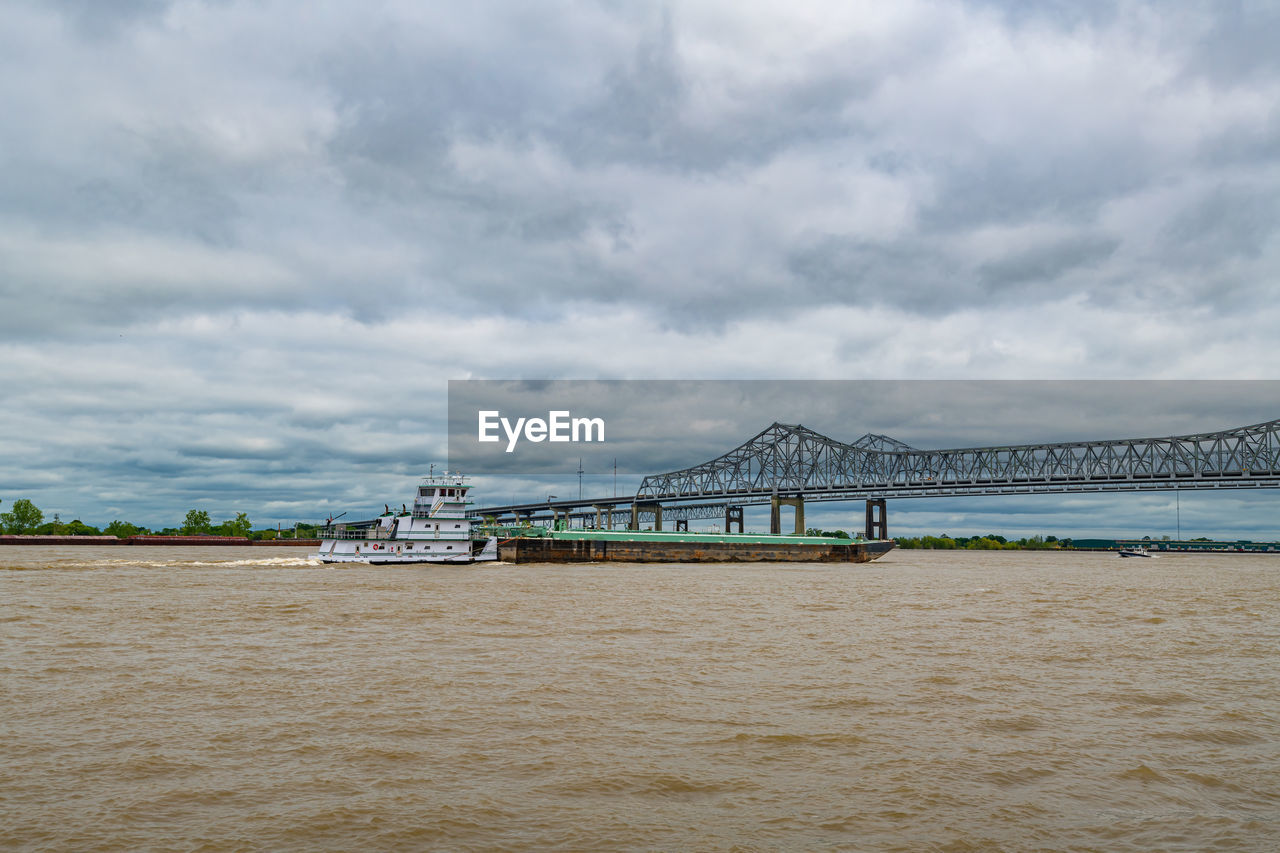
(435, 530)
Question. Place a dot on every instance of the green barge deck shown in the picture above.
(651, 546)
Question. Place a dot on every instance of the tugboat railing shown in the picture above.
(381, 535)
(370, 533)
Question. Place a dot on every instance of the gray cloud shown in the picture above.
(1238, 47)
(99, 20)
(1226, 223)
(1046, 264)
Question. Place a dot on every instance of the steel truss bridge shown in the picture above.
(788, 464)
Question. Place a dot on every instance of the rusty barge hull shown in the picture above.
(538, 550)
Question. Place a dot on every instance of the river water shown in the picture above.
(247, 699)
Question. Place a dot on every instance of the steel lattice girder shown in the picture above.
(792, 459)
(680, 512)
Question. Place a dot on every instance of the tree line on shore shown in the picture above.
(989, 542)
(25, 518)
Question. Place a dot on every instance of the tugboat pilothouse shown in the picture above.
(435, 530)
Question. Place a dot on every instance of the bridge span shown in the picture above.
(789, 464)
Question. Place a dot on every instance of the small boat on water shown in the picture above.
(1135, 552)
(435, 530)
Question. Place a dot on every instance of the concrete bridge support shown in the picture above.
(732, 516)
(605, 510)
(775, 513)
(635, 515)
(877, 519)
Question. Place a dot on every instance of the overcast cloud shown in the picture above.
(244, 245)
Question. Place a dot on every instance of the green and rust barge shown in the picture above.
(541, 545)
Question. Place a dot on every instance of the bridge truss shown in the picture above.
(792, 459)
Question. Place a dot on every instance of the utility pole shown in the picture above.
(579, 478)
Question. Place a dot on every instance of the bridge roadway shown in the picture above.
(787, 465)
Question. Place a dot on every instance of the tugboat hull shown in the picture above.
(481, 551)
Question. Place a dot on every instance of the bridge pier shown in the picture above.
(607, 511)
(682, 525)
(732, 516)
(877, 519)
(635, 516)
(775, 513)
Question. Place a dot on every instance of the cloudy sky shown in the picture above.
(244, 245)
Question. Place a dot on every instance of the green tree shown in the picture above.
(79, 528)
(121, 529)
(238, 526)
(23, 518)
(197, 522)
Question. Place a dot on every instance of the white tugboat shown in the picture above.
(435, 530)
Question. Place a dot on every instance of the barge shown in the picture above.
(643, 546)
